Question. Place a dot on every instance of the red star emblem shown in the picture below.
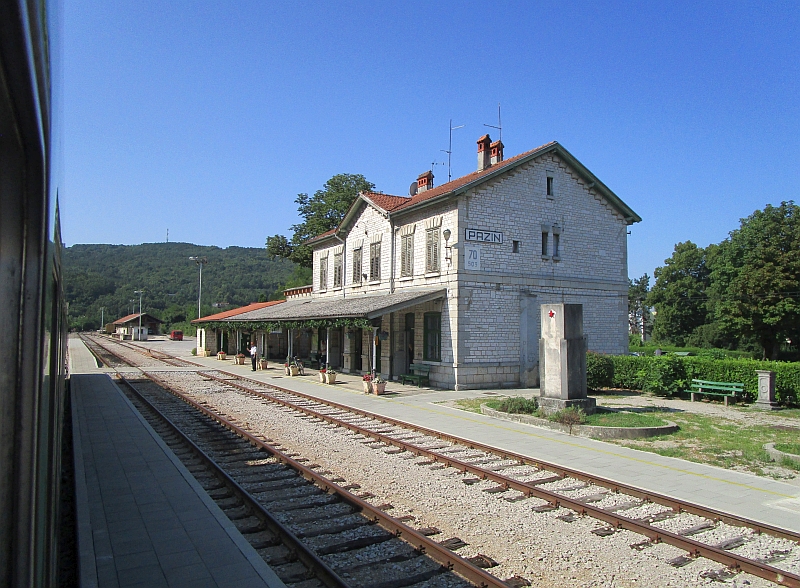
(552, 314)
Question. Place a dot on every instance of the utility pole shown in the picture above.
(201, 261)
(140, 292)
(102, 316)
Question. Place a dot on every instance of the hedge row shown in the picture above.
(671, 375)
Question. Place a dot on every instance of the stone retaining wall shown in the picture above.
(584, 430)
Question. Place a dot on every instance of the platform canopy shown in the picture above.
(354, 310)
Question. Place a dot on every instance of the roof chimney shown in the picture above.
(483, 152)
(425, 181)
(497, 152)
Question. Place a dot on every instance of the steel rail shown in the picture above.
(654, 534)
(423, 544)
(310, 559)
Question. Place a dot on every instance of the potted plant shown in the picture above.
(221, 355)
(330, 376)
(367, 380)
(379, 385)
(286, 368)
(322, 372)
(240, 359)
(262, 363)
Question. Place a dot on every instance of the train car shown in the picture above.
(32, 313)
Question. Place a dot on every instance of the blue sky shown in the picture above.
(208, 118)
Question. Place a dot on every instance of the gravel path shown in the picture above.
(538, 546)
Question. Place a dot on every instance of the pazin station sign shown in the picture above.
(483, 236)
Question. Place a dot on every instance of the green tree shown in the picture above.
(321, 212)
(679, 294)
(638, 310)
(756, 278)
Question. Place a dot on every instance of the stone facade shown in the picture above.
(552, 233)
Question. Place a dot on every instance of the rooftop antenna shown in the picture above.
(167, 235)
(450, 148)
(499, 126)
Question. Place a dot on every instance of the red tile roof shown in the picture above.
(133, 316)
(393, 204)
(125, 319)
(386, 201)
(322, 235)
(402, 203)
(235, 311)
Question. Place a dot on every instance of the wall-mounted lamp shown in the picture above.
(364, 276)
(448, 251)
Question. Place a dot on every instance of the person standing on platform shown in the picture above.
(253, 354)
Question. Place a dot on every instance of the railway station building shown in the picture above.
(126, 326)
(453, 276)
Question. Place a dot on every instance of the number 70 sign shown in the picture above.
(472, 257)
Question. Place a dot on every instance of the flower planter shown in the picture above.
(222, 355)
(262, 364)
(322, 377)
(292, 370)
(239, 360)
(330, 378)
(379, 387)
(367, 387)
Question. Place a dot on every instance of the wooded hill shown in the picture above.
(98, 276)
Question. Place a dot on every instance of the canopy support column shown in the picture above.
(327, 347)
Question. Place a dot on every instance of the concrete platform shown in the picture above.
(142, 519)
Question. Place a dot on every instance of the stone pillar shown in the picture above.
(766, 391)
(562, 359)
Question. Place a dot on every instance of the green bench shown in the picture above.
(420, 375)
(726, 389)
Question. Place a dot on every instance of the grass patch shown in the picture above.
(793, 448)
(474, 404)
(516, 405)
(624, 419)
(716, 441)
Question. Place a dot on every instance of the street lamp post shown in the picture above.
(201, 261)
(140, 292)
(102, 316)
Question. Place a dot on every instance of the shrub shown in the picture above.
(194, 350)
(518, 405)
(629, 371)
(599, 371)
(666, 376)
(671, 375)
(569, 416)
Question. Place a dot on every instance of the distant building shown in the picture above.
(126, 325)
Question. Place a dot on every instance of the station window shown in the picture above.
(433, 336)
(337, 270)
(545, 250)
(357, 265)
(375, 262)
(556, 245)
(432, 250)
(323, 273)
(407, 256)
(515, 247)
(550, 189)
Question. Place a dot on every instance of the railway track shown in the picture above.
(518, 477)
(740, 544)
(308, 528)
